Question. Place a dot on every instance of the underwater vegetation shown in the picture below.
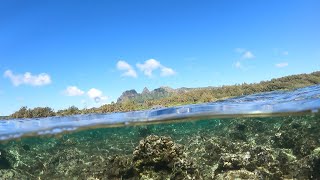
(286, 147)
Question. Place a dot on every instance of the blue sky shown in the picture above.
(86, 53)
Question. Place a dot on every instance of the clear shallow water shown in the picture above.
(264, 136)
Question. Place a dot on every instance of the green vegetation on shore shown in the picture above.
(167, 98)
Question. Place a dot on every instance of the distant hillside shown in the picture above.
(158, 93)
(127, 95)
(165, 96)
(147, 95)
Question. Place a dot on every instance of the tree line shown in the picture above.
(201, 95)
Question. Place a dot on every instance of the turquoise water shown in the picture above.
(263, 136)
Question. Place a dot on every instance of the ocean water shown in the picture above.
(274, 135)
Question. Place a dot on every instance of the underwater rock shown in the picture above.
(298, 135)
(145, 131)
(243, 129)
(287, 162)
(160, 155)
(314, 162)
(230, 162)
(10, 174)
(156, 152)
(65, 163)
(238, 131)
(235, 156)
(309, 167)
(26, 147)
(237, 174)
(116, 167)
(5, 159)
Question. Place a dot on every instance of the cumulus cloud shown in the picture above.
(240, 50)
(238, 65)
(245, 54)
(151, 65)
(248, 55)
(165, 71)
(27, 78)
(129, 71)
(96, 95)
(281, 65)
(73, 91)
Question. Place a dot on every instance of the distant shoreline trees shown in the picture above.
(198, 95)
(25, 112)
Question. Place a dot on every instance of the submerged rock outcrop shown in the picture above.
(159, 156)
(5, 160)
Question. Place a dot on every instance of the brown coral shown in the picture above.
(161, 154)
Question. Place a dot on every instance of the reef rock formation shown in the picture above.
(160, 157)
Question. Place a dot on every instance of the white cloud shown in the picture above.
(28, 79)
(240, 50)
(238, 65)
(73, 91)
(96, 95)
(248, 55)
(281, 65)
(151, 65)
(245, 54)
(165, 71)
(129, 71)
(285, 53)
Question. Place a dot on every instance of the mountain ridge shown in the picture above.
(157, 93)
